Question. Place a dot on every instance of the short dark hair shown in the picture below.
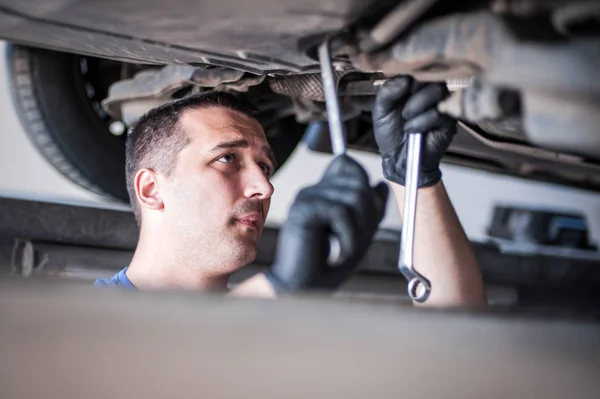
(158, 137)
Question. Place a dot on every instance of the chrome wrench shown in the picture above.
(336, 127)
(334, 115)
(419, 287)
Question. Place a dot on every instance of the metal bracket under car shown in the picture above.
(129, 99)
(557, 80)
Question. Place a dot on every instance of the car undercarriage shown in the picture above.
(523, 75)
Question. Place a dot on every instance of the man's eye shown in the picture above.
(227, 158)
(266, 169)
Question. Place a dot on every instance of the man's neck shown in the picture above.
(164, 267)
(160, 279)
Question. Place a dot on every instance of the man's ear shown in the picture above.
(147, 189)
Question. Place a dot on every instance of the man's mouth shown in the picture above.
(251, 220)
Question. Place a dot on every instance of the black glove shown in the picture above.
(402, 105)
(342, 203)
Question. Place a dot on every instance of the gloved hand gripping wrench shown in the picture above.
(419, 287)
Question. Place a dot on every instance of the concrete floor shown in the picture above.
(474, 193)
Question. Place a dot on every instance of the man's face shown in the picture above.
(218, 196)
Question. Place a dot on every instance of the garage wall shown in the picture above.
(474, 193)
(25, 174)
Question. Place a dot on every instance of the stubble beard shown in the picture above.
(217, 253)
(239, 245)
(226, 249)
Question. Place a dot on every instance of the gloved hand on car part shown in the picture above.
(403, 105)
(342, 203)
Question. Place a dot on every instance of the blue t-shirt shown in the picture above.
(118, 280)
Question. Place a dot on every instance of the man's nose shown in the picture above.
(257, 184)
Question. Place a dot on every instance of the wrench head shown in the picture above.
(416, 294)
(419, 287)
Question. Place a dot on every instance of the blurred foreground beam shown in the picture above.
(65, 342)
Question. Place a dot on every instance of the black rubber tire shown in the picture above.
(48, 91)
